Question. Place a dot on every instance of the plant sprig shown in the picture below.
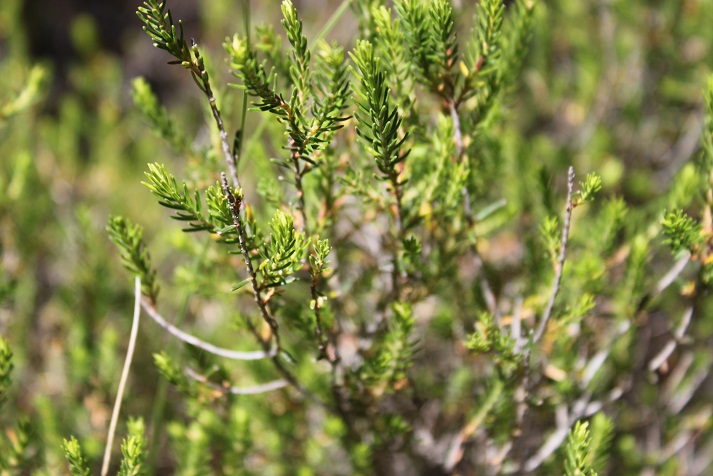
(134, 256)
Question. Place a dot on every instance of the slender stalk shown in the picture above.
(560, 261)
(124, 377)
(331, 23)
(244, 108)
(321, 334)
(397, 275)
(298, 171)
(201, 344)
(198, 70)
(251, 390)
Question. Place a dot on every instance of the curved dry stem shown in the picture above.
(251, 390)
(201, 344)
(124, 377)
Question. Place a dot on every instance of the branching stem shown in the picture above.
(560, 261)
(196, 342)
(235, 205)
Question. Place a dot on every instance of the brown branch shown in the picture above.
(235, 204)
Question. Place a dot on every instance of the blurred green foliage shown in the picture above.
(426, 253)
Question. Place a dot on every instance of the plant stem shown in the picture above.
(336, 16)
(251, 390)
(230, 159)
(196, 342)
(295, 156)
(124, 377)
(560, 261)
(235, 205)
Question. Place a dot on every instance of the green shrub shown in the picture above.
(472, 240)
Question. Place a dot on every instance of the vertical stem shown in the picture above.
(560, 262)
(195, 68)
(396, 274)
(295, 156)
(235, 205)
(124, 377)
(244, 108)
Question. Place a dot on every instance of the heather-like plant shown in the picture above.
(472, 238)
(366, 288)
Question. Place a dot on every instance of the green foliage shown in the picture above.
(78, 465)
(6, 367)
(578, 449)
(588, 189)
(489, 339)
(133, 450)
(383, 267)
(31, 94)
(386, 369)
(157, 116)
(188, 206)
(379, 121)
(283, 253)
(682, 232)
(134, 255)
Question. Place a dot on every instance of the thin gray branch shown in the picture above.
(671, 345)
(124, 377)
(251, 390)
(671, 276)
(560, 262)
(196, 342)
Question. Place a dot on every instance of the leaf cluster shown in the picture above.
(489, 339)
(134, 256)
(682, 233)
(284, 252)
(379, 120)
(309, 128)
(578, 449)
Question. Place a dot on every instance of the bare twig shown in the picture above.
(295, 155)
(124, 377)
(251, 390)
(322, 339)
(671, 345)
(560, 261)
(671, 276)
(196, 342)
